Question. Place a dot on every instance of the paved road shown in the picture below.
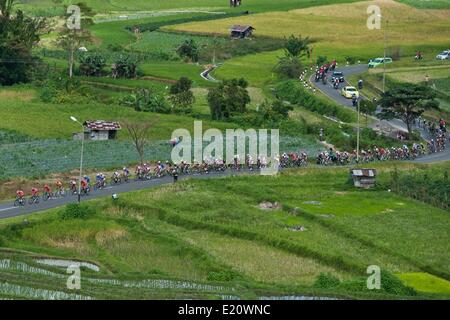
(335, 94)
(7, 210)
(396, 124)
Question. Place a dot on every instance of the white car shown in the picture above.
(443, 55)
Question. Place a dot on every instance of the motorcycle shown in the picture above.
(336, 85)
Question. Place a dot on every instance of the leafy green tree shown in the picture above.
(274, 111)
(125, 66)
(188, 50)
(92, 63)
(407, 102)
(297, 47)
(289, 66)
(71, 40)
(229, 98)
(147, 101)
(18, 34)
(182, 96)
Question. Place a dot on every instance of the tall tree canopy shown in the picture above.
(289, 66)
(407, 102)
(18, 34)
(229, 98)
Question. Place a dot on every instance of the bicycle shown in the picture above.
(116, 180)
(19, 202)
(60, 193)
(47, 196)
(34, 200)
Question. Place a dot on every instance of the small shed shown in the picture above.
(363, 178)
(241, 32)
(99, 130)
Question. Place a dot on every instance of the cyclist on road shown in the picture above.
(20, 194)
(59, 185)
(47, 190)
(84, 186)
(34, 192)
(73, 185)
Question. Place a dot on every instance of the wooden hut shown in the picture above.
(363, 178)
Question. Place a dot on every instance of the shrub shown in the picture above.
(392, 284)
(76, 211)
(125, 66)
(92, 64)
(326, 280)
(350, 59)
(289, 68)
(188, 50)
(321, 60)
(181, 96)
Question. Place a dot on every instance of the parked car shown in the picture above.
(337, 75)
(443, 55)
(376, 62)
(349, 91)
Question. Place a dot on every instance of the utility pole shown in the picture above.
(357, 136)
(384, 59)
(81, 159)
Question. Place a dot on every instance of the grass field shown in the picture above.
(47, 7)
(14, 103)
(339, 37)
(427, 4)
(425, 282)
(321, 23)
(152, 235)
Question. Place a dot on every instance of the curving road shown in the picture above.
(396, 124)
(8, 210)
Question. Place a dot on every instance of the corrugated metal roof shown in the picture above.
(363, 172)
(239, 28)
(102, 125)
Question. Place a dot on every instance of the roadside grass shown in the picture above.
(419, 75)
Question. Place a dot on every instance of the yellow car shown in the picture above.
(349, 91)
